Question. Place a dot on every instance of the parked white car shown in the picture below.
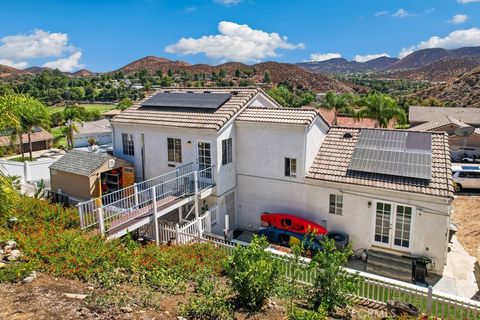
(466, 177)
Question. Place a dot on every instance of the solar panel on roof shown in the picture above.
(397, 153)
(199, 100)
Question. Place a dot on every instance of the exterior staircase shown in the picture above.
(389, 265)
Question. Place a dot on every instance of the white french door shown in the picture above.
(205, 160)
(393, 225)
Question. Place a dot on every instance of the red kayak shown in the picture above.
(291, 223)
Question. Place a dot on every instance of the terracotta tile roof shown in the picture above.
(438, 123)
(179, 117)
(335, 154)
(344, 121)
(278, 115)
(41, 135)
(425, 114)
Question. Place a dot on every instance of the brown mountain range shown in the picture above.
(442, 70)
(464, 91)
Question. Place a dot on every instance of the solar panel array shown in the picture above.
(396, 153)
(196, 100)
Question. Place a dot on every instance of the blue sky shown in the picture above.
(103, 35)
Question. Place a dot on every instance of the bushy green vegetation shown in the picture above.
(288, 96)
(53, 87)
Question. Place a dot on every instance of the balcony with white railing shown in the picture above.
(127, 209)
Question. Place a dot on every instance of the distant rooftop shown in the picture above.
(419, 114)
(99, 126)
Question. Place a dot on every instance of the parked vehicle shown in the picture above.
(466, 177)
(291, 223)
(288, 239)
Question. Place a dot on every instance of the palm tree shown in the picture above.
(32, 114)
(339, 103)
(381, 108)
(71, 115)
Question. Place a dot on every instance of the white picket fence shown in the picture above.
(181, 234)
(380, 290)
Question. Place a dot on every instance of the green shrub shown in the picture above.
(211, 303)
(333, 285)
(15, 272)
(296, 313)
(252, 273)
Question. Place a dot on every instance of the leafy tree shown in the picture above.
(124, 104)
(381, 108)
(32, 114)
(252, 273)
(333, 285)
(222, 73)
(266, 77)
(72, 116)
(238, 73)
(339, 104)
(159, 73)
(170, 72)
(287, 98)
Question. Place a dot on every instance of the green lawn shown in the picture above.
(60, 139)
(101, 107)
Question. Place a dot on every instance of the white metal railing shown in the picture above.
(116, 208)
(380, 290)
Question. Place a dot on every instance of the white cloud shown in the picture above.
(368, 57)
(467, 1)
(324, 56)
(18, 50)
(228, 2)
(401, 13)
(381, 13)
(18, 65)
(68, 64)
(458, 19)
(456, 39)
(236, 42)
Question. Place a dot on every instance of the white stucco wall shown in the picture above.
(262, 149)
(256, 195)
(81, 140)
(315, 135)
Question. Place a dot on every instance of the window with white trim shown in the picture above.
(174, 149)
(290, 167)
(227, 154)
(128, 146)
(336, 204)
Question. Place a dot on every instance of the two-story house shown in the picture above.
(390, 190)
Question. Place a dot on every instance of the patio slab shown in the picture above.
(459, 273)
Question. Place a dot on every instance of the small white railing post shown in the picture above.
(80, 212)
(135, 192)
(208, 221)
(177, 233)
(195, 179)
(155, 219)
(101, 222)
(429, 299)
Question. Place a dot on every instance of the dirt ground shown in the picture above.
(466, 216)
(45, 298)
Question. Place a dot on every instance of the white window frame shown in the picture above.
(175, 150)
(337, 206)
(128, 144)
(227, 154)
(290, 174)
(393, 217)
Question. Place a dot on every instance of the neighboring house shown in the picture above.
(99, 130)
(346, 121)
(82, 175)
(460, 146)
(41, 140)
(418, 115)
(365, 182)
(111, 113)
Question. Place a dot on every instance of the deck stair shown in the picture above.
(389, 265)
(128, 209)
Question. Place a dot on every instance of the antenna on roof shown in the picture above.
(464, 132)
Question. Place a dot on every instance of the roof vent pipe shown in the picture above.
(347, 135)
